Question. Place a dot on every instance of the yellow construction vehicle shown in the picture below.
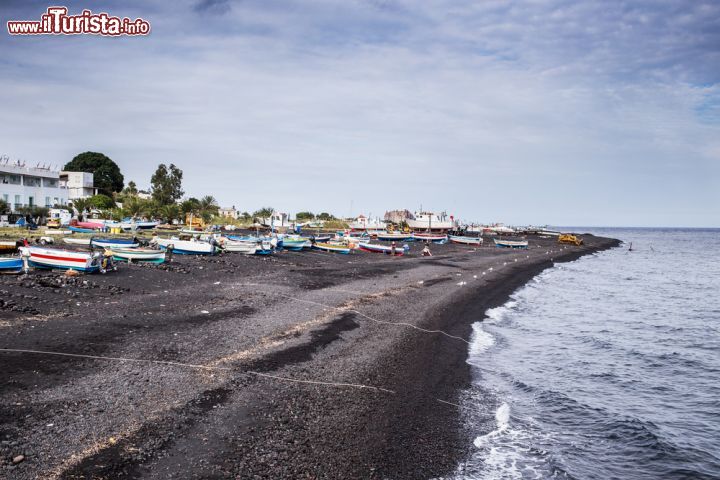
(571, 239)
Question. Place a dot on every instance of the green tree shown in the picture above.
(304, 216)
(102, 202)
(131, 188)
(81, 205)
(4, 207)
(167, 184)
(136, 207)
(208, 208)
(325, 216)
(264, 212)
(169, 212)
(191, 205)
(106, 174)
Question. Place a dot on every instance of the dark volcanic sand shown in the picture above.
(99, 418)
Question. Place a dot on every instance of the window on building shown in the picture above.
(31, 181)
(18, 202)
(31, 201)
(47, 202)
(51, 182)
(9, 179)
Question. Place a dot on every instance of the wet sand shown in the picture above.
(193, 369)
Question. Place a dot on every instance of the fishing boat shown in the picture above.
(131, 225)
(329, 247)
(78, 241)
(466, 240)
(8, 246)
(368, 247)
(430, 221)
(63, 259)
(295, 243)
(186, 247)
(89, 225)
(322, 238)
(394, 237)
(248, 247)
(114, 242)
(430, 237)
(58, 232)
(11, 264)
(510, 243)
(138, 254)
(81, 230)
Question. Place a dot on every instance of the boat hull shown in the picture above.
(63, 259)
(77, 241)
(332, 248)
(186, 247)
(138, 255)
(466, 240)
(394, 237)
(113, 243)
(430, 238)
(380, 249)
(511, 243)
(81, 230)
(11, 265)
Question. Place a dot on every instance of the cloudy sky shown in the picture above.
(541, 111)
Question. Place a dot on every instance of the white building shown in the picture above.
(78, 184)
(229, 213)
(22, 186)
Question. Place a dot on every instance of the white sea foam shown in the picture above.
(496, 314)
(481, 340)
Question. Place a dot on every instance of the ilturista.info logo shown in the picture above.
(56, 21)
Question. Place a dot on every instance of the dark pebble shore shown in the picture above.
(219, 341)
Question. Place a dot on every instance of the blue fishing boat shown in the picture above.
(81, 230)
(11, 265)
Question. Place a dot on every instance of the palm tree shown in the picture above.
(169, 212)
(208, 208)
(4, 206)
(81, 205)
(135, 207)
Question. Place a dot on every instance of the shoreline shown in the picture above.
(300, 317)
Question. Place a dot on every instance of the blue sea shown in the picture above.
(604, 368)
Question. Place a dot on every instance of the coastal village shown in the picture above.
(64, 219)
(247, 345)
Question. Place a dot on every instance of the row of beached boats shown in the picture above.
(109, 249)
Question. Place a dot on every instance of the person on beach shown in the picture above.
(426, 251)
(392, 249)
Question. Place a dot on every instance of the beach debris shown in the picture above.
(72, 273)
(204, 311)
(17, 459)
(112, 440)
(216, 283)
(462, 283)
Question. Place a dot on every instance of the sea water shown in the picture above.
(604, 368)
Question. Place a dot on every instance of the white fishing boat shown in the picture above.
(138, 254)
(114, 243)
(77, 241)
(510, 243)
(463, 240)
(185, 247)
(430, 237)
(63, 259)
(386, 249)
(58, 232)
(429, 221)
(363, 223)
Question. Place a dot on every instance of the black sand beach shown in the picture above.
(218, 345)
